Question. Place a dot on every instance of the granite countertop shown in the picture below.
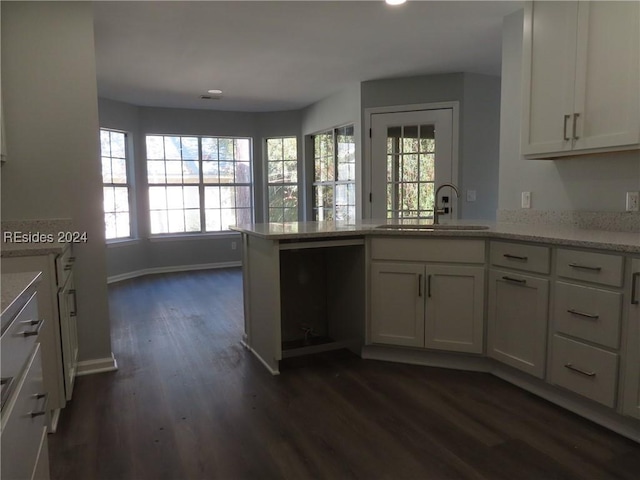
(15, 287)
(28, 249)
(626, 242)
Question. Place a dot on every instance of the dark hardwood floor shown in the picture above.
(188, 402)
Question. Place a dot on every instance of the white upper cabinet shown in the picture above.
(581, 78)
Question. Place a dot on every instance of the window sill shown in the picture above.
(125, 242)
(195, 236)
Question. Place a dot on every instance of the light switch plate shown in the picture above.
(633, 201)
(526, 199)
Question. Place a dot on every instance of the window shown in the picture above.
(117, 219)
(282, 179)
(410, 171)
(334, 191)
(198, 184)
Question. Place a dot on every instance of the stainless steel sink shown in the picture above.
(430, 228)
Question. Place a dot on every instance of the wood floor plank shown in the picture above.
(189, 402)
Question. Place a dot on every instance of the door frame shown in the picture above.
(367, 171)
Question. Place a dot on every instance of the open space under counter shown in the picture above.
(303, 296)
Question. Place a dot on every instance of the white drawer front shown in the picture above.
(586, 370)
(529, 258)
(22, 433)
(588, 313)
(19, 338)
(450, 250)
(590, 267)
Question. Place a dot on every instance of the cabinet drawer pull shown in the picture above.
(516, 280)
(579, 370)
(515, 257)
(575, 121)
(585, 267)
(564, 131)
(35, 331)
(429, 286)
(582, 314)
(634, 287)
(38, 413)
(420, 285)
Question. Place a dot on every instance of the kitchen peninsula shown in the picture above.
(480, 296)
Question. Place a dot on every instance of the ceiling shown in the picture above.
(284, 55)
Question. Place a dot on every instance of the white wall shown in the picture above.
(51, 119)
(589, 183)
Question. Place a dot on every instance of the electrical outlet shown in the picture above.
(526, 199)
(471, 195)
(633, 201)
(234, 245)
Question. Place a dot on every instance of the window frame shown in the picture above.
(268, 184)
(129, 185)
(336, 181)
(201, 185)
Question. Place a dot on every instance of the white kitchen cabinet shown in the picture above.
(518, 314)
(58, 337)
(397, 304)
(580, 78)
(436, 306)
(631, 391)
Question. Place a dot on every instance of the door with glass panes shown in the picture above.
(411, 155)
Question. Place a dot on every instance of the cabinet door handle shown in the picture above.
(420, 285)
(585, 267)
(634, 287)
(564, 131)
(515, 257)
(38, 413)
(515, 280)
(75, 304)
(35, 331)
(579, 370)
(429, 286)
(575, 121)
(582, 314)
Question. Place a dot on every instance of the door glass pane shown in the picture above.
(410, 171)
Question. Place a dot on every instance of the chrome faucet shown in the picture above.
(441, 211)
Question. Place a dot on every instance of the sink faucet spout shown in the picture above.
(441, 211)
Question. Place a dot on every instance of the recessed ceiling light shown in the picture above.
(395, 2)
(215, 91)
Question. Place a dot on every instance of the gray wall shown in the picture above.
(479, 121)
(51, 119)
(589, 183)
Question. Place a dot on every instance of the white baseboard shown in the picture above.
(177, 268)
(262, 360)
(98, 365)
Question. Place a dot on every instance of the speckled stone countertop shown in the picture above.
(626, 242)
(15, 287)
(21, 238)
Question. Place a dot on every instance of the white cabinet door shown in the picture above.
(397, 304)
(68, 334)
(607, 89)
(455, 308)
(518, 313)
(548, 76)
(580, 77)
(631, 400)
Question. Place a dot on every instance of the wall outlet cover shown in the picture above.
(526, 199)
(633, 201)
(471, 195)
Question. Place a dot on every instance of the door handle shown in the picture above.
(420, 285)
(575, 121)
(634, 287)
(564, 130)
